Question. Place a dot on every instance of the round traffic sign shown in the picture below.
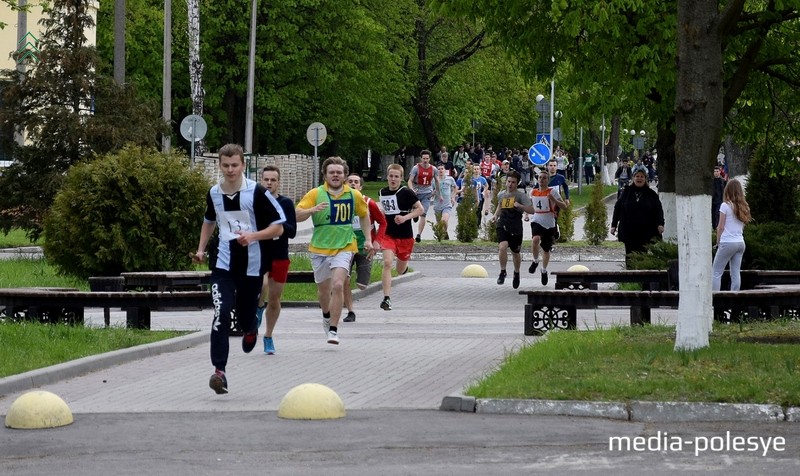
(316, 134)
(539, 153)
(193, 128)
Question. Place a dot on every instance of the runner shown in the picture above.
(249, 218)
(332, 207)
(275, 280)
(545, 201)
(362, 261)
(508, 220)
(400, 205)
(424, 182)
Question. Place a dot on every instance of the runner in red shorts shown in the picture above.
(400, 205)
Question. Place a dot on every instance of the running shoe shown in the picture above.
(515, 281)
(418, 238)
(544, 278)
(386, 304)
(333, 338)
(259, 315)
(326, 324)
(532, 267)
(502, 278)
(269, 346)
(351, 317)
(249, 341)
(218, 382)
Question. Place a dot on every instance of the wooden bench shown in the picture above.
(557, 309)
(655, 280)
(188, 280)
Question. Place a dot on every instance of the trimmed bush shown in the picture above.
(771, 246)
(566, 224)
(135, 210)
(596, 227)
(467, 226)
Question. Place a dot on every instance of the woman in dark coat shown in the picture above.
(638, 214)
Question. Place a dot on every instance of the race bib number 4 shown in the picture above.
(390, 205)
(233, 223)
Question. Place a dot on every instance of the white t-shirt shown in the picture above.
(732, 233)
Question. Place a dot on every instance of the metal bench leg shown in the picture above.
(640, 315)
(138, 317)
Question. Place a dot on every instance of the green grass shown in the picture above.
(30, 345)
(27, 272)
(16, 238)
(751, 363)
(581, 200)
(371, 189)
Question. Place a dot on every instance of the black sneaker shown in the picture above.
(249, 341)
(515, 281)
(544, 278)
(386, 304)
(351, 317)
(218, 382)
(418, 238)
(502, 278)
(532, 267)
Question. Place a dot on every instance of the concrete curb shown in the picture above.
(635, 411)
(49, 375)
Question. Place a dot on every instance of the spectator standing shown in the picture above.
(332, 207)
(460, 160)
(588, 166)
(734, 214)
(717, 190)
(638, 214)
(623, 175)
(275, 280)
(249, 218)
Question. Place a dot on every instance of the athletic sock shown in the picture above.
(334, 328)
(326, 315)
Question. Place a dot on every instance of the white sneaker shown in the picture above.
(333, 338)
(326, 324)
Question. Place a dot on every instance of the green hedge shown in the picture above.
(136, 210)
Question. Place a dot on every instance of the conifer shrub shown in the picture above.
(134, 210)
(467, 226)
(596, 227)
(566, 224)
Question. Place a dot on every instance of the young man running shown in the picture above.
(274, 282)
(508, 220)
(545, 200)
(558, 181)
(400, 205)
(332, 207)
(249, 218)
(424, 182)
(362, 261)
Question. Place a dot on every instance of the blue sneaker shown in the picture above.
(269, 346)
(259, 315)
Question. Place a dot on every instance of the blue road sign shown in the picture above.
(543, 138)
(539, 153)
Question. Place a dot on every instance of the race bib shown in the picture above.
(232, 223)
(390, 205)
(507, 202)
(341, 211)
(541, 204)
(356, 222)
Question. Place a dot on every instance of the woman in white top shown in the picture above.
(734, 213)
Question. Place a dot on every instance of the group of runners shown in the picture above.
(255, 224)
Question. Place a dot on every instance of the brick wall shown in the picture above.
(299, 173)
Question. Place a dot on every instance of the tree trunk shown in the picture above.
(195, 66)
(119, 42)
(736, 156)
(698, 112)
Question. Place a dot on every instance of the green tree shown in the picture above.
(134, 210)
(67, 112)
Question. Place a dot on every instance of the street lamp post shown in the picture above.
(604, 176)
